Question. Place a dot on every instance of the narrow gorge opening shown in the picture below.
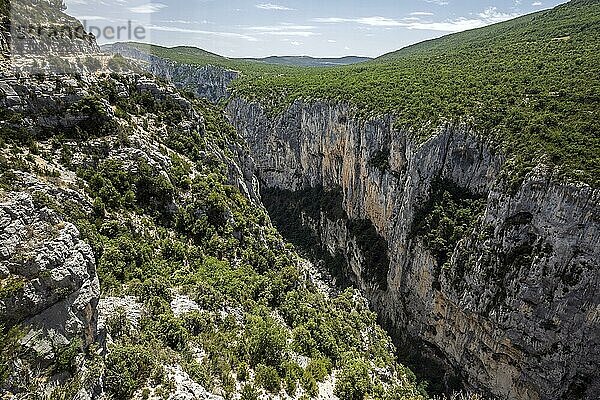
(307, 219)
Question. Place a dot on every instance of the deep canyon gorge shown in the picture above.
(511, 307)
(514, 303)
(133, 189)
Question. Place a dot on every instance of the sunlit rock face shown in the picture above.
(509, 299)
(50, 285)
(209, 81)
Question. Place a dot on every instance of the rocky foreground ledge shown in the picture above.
(49, 285)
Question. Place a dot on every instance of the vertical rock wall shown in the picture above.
(209, 82)
(513, 304)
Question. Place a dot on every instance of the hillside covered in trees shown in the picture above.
(530, 86)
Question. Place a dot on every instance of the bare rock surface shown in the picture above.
(514, 307)
(209, 81)
(49, 278)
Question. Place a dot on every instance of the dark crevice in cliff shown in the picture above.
(299, 216)
(449, 215)
(427, 361)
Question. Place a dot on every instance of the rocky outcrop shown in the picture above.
(4, 43)
(208, 81)
(512, 302)
(36, 37)
(39, 28)
(49, 284)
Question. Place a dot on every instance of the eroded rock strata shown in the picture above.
(503, 283)
(209, 81)
(50, 286)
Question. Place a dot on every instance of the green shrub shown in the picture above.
(10, 338)
(96, 122)
(292, 373)
(99, 208)
(119, 64)
(267, 378)
(449, 215)
(319, 368)
(266, 341)
(7, 179)
(303, 342)
(117, 323)
(249, 393)
(92, 63)
(353, 382)
(200, 373)
(309, 384)
(172, 332)
(10, 287)
(128, 368)
(67, 355)
(242, 372)
(198, 322)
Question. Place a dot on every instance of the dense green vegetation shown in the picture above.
(530, 85)
(449, 215)
(161, 230)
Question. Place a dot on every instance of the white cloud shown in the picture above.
(284, 29)
(291, 33)
(492, 15)
(270, 6)
(378, 21)
(421, 14)
(332, 41)
(201, 32)
(90, 18)
(296, 43)
(438, 2)
(370, 21)
(489, 16)
(149, 8)
(458, 25)
(185, 22)
(536, 3)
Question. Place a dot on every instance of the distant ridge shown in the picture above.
(306, 61)
(193, 54)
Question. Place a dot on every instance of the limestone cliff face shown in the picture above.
(513, 305)
(39, 28)
(209, 81)
(49, 281)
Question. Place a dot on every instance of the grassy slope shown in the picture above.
(183, 54)
(531, 85)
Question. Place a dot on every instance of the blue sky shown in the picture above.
(320, 28)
